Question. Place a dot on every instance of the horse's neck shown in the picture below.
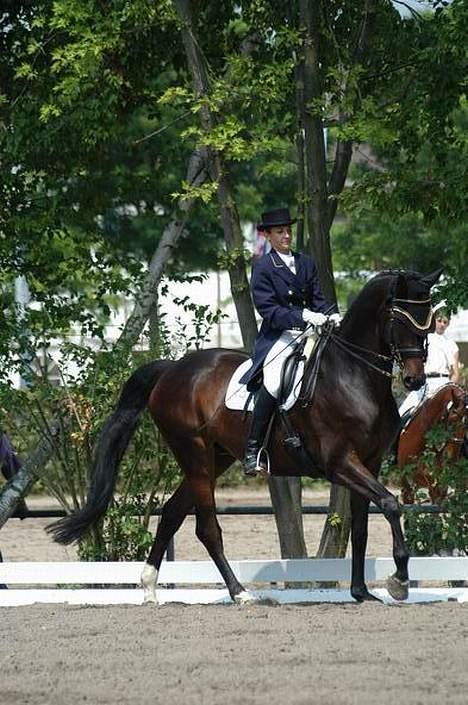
(364, 330)
(364, 322)
(433, 410)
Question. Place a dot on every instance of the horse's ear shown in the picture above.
(430, 279)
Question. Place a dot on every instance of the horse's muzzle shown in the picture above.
(414, 382)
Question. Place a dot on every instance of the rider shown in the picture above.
(442, 364)
(287, 295)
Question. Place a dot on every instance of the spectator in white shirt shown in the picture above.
(442, 364)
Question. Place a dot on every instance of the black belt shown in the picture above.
(435, 374)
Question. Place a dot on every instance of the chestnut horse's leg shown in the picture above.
(353, 474)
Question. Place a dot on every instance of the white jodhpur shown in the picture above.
(149, 579)
(237, 394)
(274, 361)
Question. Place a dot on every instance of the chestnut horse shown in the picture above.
(347, 419)
(448, 407)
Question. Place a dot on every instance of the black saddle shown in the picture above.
(288, 372)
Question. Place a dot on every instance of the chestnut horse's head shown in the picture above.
(409, 322)
(457, 409)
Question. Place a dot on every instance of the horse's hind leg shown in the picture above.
(197, 490)
(201, 465)
(173, 514)
(209, 533)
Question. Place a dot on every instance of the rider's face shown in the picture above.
(280, 238)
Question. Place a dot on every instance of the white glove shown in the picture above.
(316, 319)
(310, 332)
(335, 318)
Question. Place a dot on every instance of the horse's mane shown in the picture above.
(374, 282)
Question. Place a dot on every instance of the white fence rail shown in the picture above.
(205, 572)
(29, 576)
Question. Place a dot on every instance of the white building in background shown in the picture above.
(213, 292)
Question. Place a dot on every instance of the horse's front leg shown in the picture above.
(359, 529)
(353, 474)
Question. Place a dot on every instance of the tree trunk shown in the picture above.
(321, 210)
(282, 490)
(315, 156)
(334, 539)
(22, 482)
(19, 485)
(220, 175)
(286, 498)
(301, 244)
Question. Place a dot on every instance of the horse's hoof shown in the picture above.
(244, 597)
(267, 601)
(363, 595)
(150, 599)
(398, 589)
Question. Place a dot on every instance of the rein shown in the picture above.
(396, 313)
(350, 348)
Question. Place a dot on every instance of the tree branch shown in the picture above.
(344, 148)
(31, 470)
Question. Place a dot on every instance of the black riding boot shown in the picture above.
(263, 409)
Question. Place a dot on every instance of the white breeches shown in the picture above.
(428, 390)
(274, 360)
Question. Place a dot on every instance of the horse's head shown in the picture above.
(409, 322)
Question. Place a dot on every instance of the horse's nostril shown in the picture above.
(413, 382)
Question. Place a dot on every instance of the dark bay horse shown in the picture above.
(345, 428)
(448, 407)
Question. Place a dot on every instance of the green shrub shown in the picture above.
(447, 532)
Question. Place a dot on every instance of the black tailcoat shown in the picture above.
(280, 296)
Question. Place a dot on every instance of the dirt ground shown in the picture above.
(208, 655)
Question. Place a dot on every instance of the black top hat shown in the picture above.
(271, 219)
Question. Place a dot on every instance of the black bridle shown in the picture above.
(396, 314)
(417, 322)
(383, 364)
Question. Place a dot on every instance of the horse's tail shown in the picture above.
(112, 444)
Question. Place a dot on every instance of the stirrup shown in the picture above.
(258, 469)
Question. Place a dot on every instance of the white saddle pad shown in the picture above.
(237, 394)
